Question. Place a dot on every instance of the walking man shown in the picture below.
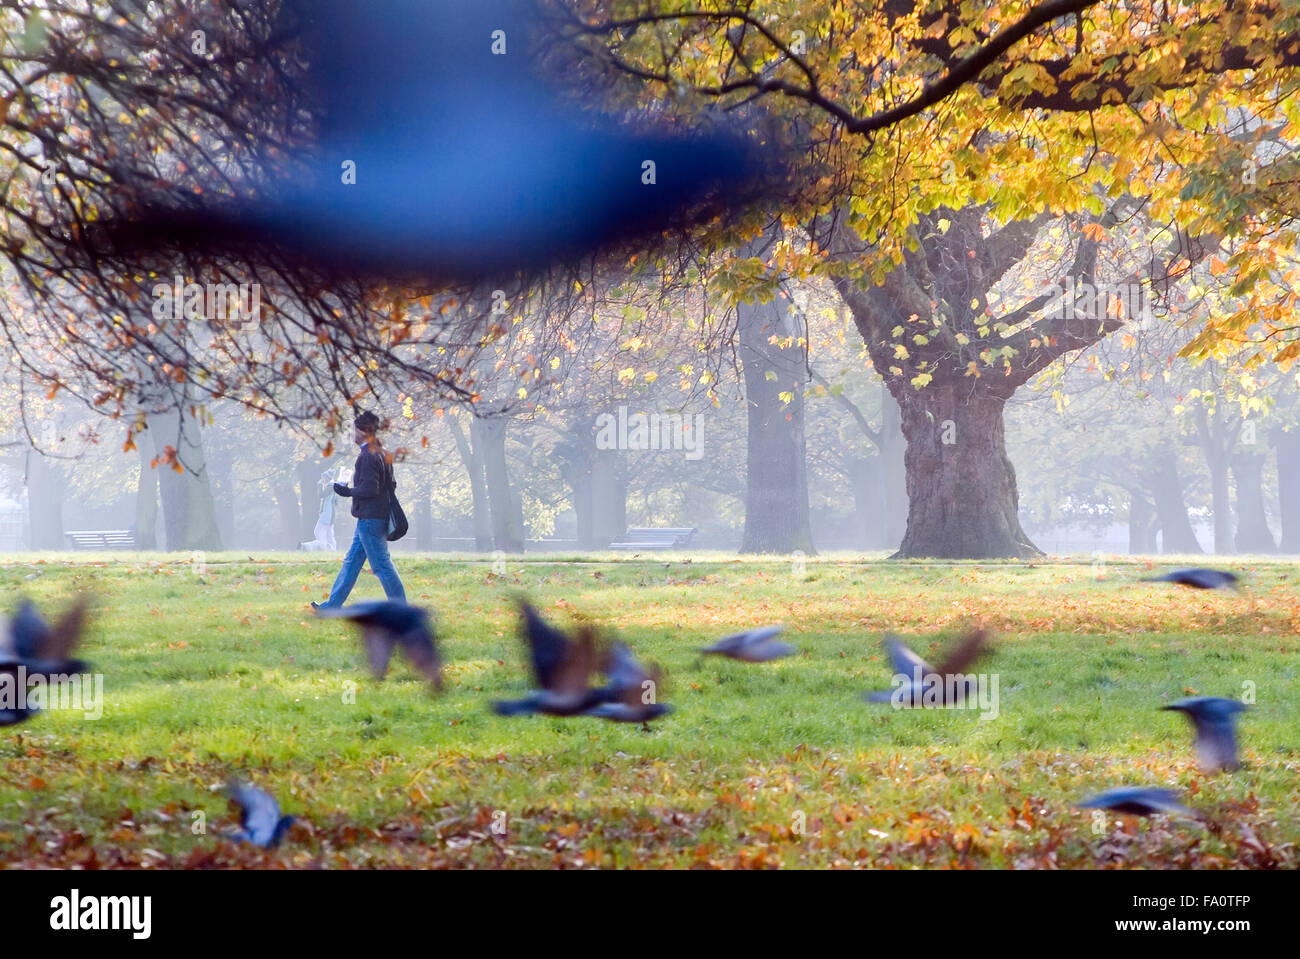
(372, 482)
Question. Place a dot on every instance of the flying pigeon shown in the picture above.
(386, 624)
(259, 816)
(1138, 801)
(753, 646)
(562, 669)
(1215, 719)
(926, 682)
(630, 694)
(441, 153)
(31, 647)
(1198, 578)
(43, 648)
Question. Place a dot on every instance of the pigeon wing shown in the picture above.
(769, 650)
(548, 647)
(739, 640)
(8, 646)
(726, 645)
(422, 650)
(59, 642)
(379, 643)
(627, 677)
(1137, 800)
(573, 676)
(1216, 742)
(903, 659)
(259, 813)
(964, 653)
(28, 631)
(392, 615)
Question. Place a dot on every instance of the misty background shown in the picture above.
(1123, 448)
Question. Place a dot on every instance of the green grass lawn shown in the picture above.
(228, 675)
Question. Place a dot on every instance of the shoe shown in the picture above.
(316, 605)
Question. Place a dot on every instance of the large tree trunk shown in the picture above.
(490, 443)
(189, 514)
(961, 485)
(1288, 487)
(1176, 534)
(1253, 534)
(146, 502)
(777, 518)
(963, 495)
(46, 483)
(472, 459)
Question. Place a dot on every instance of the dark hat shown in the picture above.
(367, 422)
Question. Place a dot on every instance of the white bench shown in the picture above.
(101, 538)
(641, 537)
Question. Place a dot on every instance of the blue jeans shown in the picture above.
(369, 543)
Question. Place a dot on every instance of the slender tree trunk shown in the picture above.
(869, 519)
(777, 518)
(146, 502)
(189, 514)
(286, 501)
(1253, 534)
(1218, 465)
(221, 468)
(576, 455)
(608, 498)
(961, 485)
(472, 459)
(1176, 534)
(46, 483)
(598, 488)
(490, 441)
(424, 517)
(1287, 445)
(308, 472)
(580, 495)
(1211, 431)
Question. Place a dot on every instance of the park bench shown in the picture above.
(101, 538)
(638, 537)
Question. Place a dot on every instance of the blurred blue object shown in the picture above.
(1215, 721)
(1138, 801)
(465, 162)
(1198, 578)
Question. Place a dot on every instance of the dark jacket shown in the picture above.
(372, 479)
